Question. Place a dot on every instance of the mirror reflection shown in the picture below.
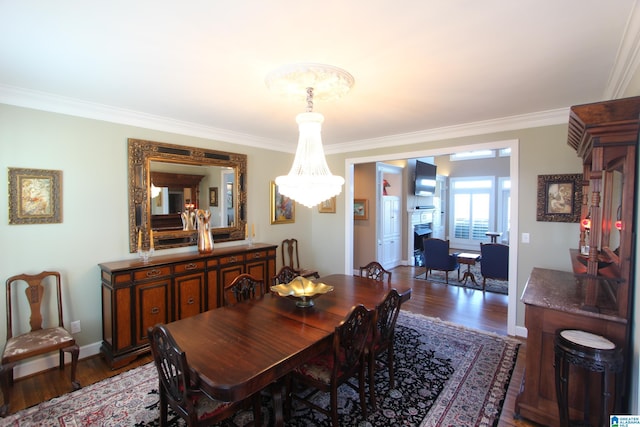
(179, 190)
(169, 183)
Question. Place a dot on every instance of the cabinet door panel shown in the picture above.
(189, 295)
(152, 306)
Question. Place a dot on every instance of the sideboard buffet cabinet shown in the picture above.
(597, 295)
(137, 294)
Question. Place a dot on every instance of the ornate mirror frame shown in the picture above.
(140, 154)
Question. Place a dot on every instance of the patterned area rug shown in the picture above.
(446, 375)
(497, 286)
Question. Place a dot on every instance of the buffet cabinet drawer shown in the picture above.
(152, 273)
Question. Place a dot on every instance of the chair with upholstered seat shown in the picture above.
(383, 337)
(375, 271)
(437, 257)
(285, 275)
(494, 262)
(181, 392)
(336, 366)
(242, 288)
(44, 336)
(290, 257)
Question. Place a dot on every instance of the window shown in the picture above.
(472, 211)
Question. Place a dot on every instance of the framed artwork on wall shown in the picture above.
(35, 196)
(213, 196)
(559, 198)
(283, 208)
(328, 206)
(360, 209)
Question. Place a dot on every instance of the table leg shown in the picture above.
(276, 395)
(468, 275)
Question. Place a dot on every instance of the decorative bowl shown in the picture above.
(302, 290)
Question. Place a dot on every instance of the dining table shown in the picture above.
(238, 350)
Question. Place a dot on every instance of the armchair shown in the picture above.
(494, 262)
(437, 257)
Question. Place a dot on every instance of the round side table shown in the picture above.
(593, 353)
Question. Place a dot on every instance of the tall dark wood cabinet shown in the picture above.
(597, 295)
(137, 295)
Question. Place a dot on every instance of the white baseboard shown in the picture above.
(40, 364)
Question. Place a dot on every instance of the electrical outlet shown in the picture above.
(75, 327)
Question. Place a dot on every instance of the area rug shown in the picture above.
(446, 375)
(497, 286)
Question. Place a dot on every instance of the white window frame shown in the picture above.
(470, 244)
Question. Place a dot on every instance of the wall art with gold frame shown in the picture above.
(283, 208)
(35, 196)
(328, 206)
(360, 209)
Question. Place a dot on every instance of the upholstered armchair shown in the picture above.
(437, 257)
(494, 262)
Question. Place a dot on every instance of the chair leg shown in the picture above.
(257, 409)
(363, 401)
(6, 381)
(446, 277)
(74, 350)
(334, 406)
(372, 388)
(390, 363)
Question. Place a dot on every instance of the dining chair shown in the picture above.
(494, 262)
(182, 392)
(375, 271)
(45, 334)
(290, 257)
(285, 275)
(382, 338)
(242, 288)
(336, 366)
(437, 257)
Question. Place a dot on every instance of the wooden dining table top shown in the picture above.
(238, 350)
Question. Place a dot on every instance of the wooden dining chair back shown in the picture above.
(46, 327)
(291, 258)
(383, 338)
(375, 271)
(284, 276)
(336, 366)
(181, 392)
(242, 288)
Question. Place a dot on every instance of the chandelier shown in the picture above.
(310, 181)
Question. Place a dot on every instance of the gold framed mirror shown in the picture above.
(168, 182)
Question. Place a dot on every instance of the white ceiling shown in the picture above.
(421, 67)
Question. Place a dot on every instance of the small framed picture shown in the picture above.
(328, 206)
(35, 196)
(360, 209)
(213, 196)
(559, 198)
(283, 208)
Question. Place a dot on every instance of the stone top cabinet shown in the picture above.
(596, 295)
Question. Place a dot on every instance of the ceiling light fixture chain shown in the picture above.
(309, 99)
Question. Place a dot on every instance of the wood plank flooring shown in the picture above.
(486, 311)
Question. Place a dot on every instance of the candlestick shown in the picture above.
(253, 230)
(151, 239)
(246, 231)
(139, 240)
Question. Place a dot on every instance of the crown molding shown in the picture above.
(63, 105)
(75, 107)
(523, 121)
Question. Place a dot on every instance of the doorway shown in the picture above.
(513, 206)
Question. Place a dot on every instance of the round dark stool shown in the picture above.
(592, 353)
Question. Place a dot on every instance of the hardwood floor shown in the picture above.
(475, 309)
